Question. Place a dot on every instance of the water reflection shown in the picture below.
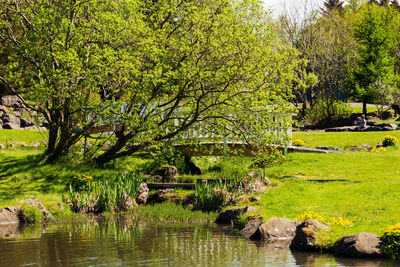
(127, 242)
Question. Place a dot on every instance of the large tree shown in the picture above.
(156, 68)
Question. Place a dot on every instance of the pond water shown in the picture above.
(126, 242)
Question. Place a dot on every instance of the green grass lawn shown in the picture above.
(26, 136)
(343, 139)
(370, 108)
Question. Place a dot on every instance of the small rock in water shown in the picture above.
(275, 228)
(251, 227)
(304, 238)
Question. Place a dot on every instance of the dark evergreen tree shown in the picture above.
(395, 4)
(332, 5)
(384, 3)
(374, 2)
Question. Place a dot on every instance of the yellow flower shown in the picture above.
(298, 142)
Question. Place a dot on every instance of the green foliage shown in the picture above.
(374, 32)
(391, 241)
(30, 214)
(389, 140)
(323, 112)
(155, 68)
(55, 209)
(166, 155)
(101, 196)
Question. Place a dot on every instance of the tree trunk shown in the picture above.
(52, 141)
(109, 156)
(304, 108)
(364, 99)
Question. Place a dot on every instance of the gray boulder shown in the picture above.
(275, 228)
(304, 238)
(8, 118)
(230, 216)
(341, 129)
(254, 182)
(26, 122)
(359, 245)
(3, 110)
(11, 101)
(9, 215)
(333, 148)
(127, 202)
(160, 196)
(251, 227)
(167, 172)
(143, 194)
(11, 126)
(362, 147)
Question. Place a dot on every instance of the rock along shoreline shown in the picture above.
(300, 236)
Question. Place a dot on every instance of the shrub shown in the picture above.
(389, 140)
(391, 241)
(30, 214)
(298, 142)
(323, 112)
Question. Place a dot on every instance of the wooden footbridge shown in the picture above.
(207, 143)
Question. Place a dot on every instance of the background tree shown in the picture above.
(297, 29)
(395, 4)
(376, 60)
(328, 46)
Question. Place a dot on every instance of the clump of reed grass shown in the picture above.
(215, 196)
(115, 195)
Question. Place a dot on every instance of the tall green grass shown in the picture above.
(101, 196)
(214, 196)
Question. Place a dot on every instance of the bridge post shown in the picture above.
(225, 145)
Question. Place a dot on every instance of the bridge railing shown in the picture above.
(282, 129)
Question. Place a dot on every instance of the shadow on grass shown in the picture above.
(14, 165)
(28, 174)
